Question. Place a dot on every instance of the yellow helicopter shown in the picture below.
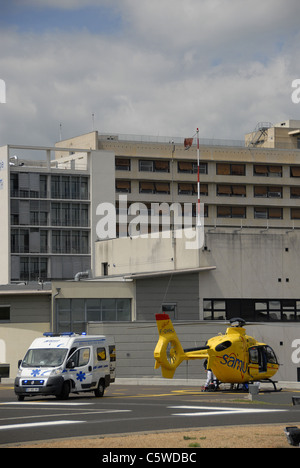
(233, 357)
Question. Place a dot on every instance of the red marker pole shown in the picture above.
(198, 179)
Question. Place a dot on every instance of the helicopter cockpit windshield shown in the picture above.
(262, 355)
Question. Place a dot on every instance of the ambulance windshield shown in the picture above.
(44, 357)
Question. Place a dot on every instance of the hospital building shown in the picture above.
(247, 265)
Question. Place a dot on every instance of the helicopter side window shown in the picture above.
(253, 355)
(224, 345)
(271, 357)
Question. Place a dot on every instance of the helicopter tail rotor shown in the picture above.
(168, 352)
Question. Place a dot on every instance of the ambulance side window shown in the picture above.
(101, 354)
(112, 353)
(81, 357)
(71, 352)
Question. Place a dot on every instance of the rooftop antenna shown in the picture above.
(93, 122)
(60, 127)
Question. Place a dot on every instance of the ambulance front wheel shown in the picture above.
(65, 390)
(99, 392)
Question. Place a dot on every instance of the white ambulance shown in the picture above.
(66, 363)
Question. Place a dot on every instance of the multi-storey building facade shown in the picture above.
(49, 212)
(240, 186)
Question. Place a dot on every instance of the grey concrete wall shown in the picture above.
(28, 309)
(182, 290)
(252, 265)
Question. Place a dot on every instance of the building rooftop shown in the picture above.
(168, 139)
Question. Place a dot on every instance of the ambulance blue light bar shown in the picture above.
(49, 334)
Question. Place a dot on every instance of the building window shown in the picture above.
(14, 242)
(231, 169)
(75, 214)
(267, 213)
(33, 268)
(214, 309)
(69, 187)
(31, 185)
(104, 268)
(277, 310)
(14, 185)
(43, 241)
(295, 192)
(231, 190)
(56, 243)
(267, 171)
(65, 187)
(43, 186)
(64, 242)
(122, 164)
(154, 187)
(69, 214)
(295, 171)
(123, 186)
(170, 309)
(84, 188)
(73, 314)
(192, 189)
(191, 167)
(256, 310)
(154, 166)
(231, 211)
(75, 188)
(24, 241)
(261, 191)
(55, 187)
(295, 213)
(4, 313)
(55, 214)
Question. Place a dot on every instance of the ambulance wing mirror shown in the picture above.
(70, 364)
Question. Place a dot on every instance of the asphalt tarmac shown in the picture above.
(126, 409)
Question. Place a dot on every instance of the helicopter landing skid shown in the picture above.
(273, 383)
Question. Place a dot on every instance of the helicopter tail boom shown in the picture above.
(168, 352)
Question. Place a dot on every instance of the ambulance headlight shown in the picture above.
(57, 371)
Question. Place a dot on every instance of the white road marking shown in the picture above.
(214, 410)
(49, 403)
(37, 424)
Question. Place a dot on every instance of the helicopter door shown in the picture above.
(257, 355)
(262, 360)
(261, 355)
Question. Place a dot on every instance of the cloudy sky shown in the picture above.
(153, 67)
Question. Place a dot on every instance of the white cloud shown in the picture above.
(174, 66)
(61, 4)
